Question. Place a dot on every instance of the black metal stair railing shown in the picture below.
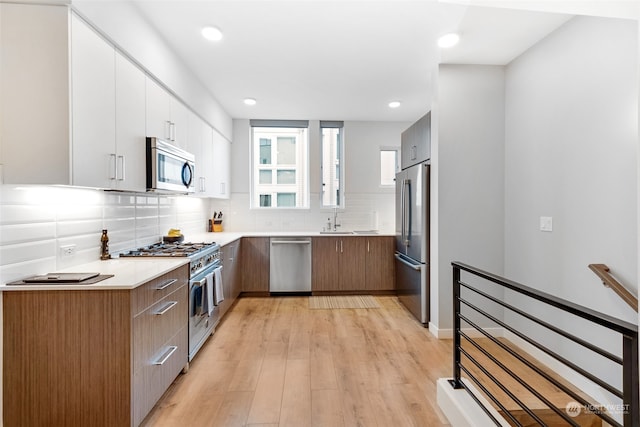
(628, 363)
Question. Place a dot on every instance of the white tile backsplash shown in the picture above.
(36, 220)
(364, 211)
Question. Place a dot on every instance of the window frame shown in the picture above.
(396, 166)
(325, 124)
(300, 187)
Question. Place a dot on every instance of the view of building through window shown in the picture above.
(388, 166)
(332, 165)
(280, 166)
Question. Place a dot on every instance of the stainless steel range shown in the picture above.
(205, 284)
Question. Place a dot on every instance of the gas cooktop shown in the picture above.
(171, 250)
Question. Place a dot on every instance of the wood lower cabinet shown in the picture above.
(255, 264)
(92, 358)
(353, 264)
(379, 263)
(232, 284)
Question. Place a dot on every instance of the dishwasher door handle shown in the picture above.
(290, 242)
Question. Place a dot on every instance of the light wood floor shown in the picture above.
(275, 362)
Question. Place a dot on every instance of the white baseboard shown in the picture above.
(460, 408)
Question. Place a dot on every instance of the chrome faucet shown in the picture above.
(335, 219)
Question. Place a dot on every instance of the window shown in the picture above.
(388, 166)
(279, 164)
(332, 165)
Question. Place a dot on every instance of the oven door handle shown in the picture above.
(166, 284)
(199, 282)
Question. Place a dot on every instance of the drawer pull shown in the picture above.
(166, 284)
(167, 354)
(168, 306)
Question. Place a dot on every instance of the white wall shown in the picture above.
(367, 205)
(469, 163)
(121, 22)
(572, 154)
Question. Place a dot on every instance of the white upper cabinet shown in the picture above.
(108, 114)
(158, 111)
(93, 104)
(167, 118)
(130, 126)
(221, 167)
(34, 94)
(200, 144)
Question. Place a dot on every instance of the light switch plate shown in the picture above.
(546, 223)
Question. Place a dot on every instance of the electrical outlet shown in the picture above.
(67, 250)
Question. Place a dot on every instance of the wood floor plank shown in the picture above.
(234, 409)
(267, 398)
(326, 409)
(296, 396)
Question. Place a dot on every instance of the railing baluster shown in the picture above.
(456, 328)
(630, 379)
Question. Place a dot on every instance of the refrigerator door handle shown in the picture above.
(409, 207)
(400, 258)
(402, 204)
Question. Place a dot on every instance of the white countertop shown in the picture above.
(226, 237)
(130, 273)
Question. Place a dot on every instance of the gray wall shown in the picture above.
(469, 168)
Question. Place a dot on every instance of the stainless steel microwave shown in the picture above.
(169, 168)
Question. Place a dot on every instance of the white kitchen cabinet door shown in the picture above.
(93, 108)
(179, 123)
(130, 126)
(207, 164)
(221, 167)
(34, 94)
(158, 111)
(194, 146)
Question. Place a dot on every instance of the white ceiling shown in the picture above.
(336, 60)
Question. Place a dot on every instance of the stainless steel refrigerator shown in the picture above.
(412, 220)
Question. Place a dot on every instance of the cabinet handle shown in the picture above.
(336, 246)
(167, 354)
(167, 130)
(166, 284)
(172, 131)
(223, 188)
(168, 306)
(121, 168)
(368, 250)
(113, 166)
(341, 251)
(203, 187)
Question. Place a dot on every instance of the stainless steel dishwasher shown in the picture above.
(290, 265)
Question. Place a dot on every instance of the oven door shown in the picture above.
(201, 325)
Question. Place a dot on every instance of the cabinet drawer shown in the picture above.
(153, 327)
(154, 290)
(156, 375)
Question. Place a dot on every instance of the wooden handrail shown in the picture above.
(602, 271)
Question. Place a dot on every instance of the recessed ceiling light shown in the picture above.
(250, 101)
(448, 40)
(394, 104)
(212, 33)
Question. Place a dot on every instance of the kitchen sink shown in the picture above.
(365, 231)
(336, 232)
